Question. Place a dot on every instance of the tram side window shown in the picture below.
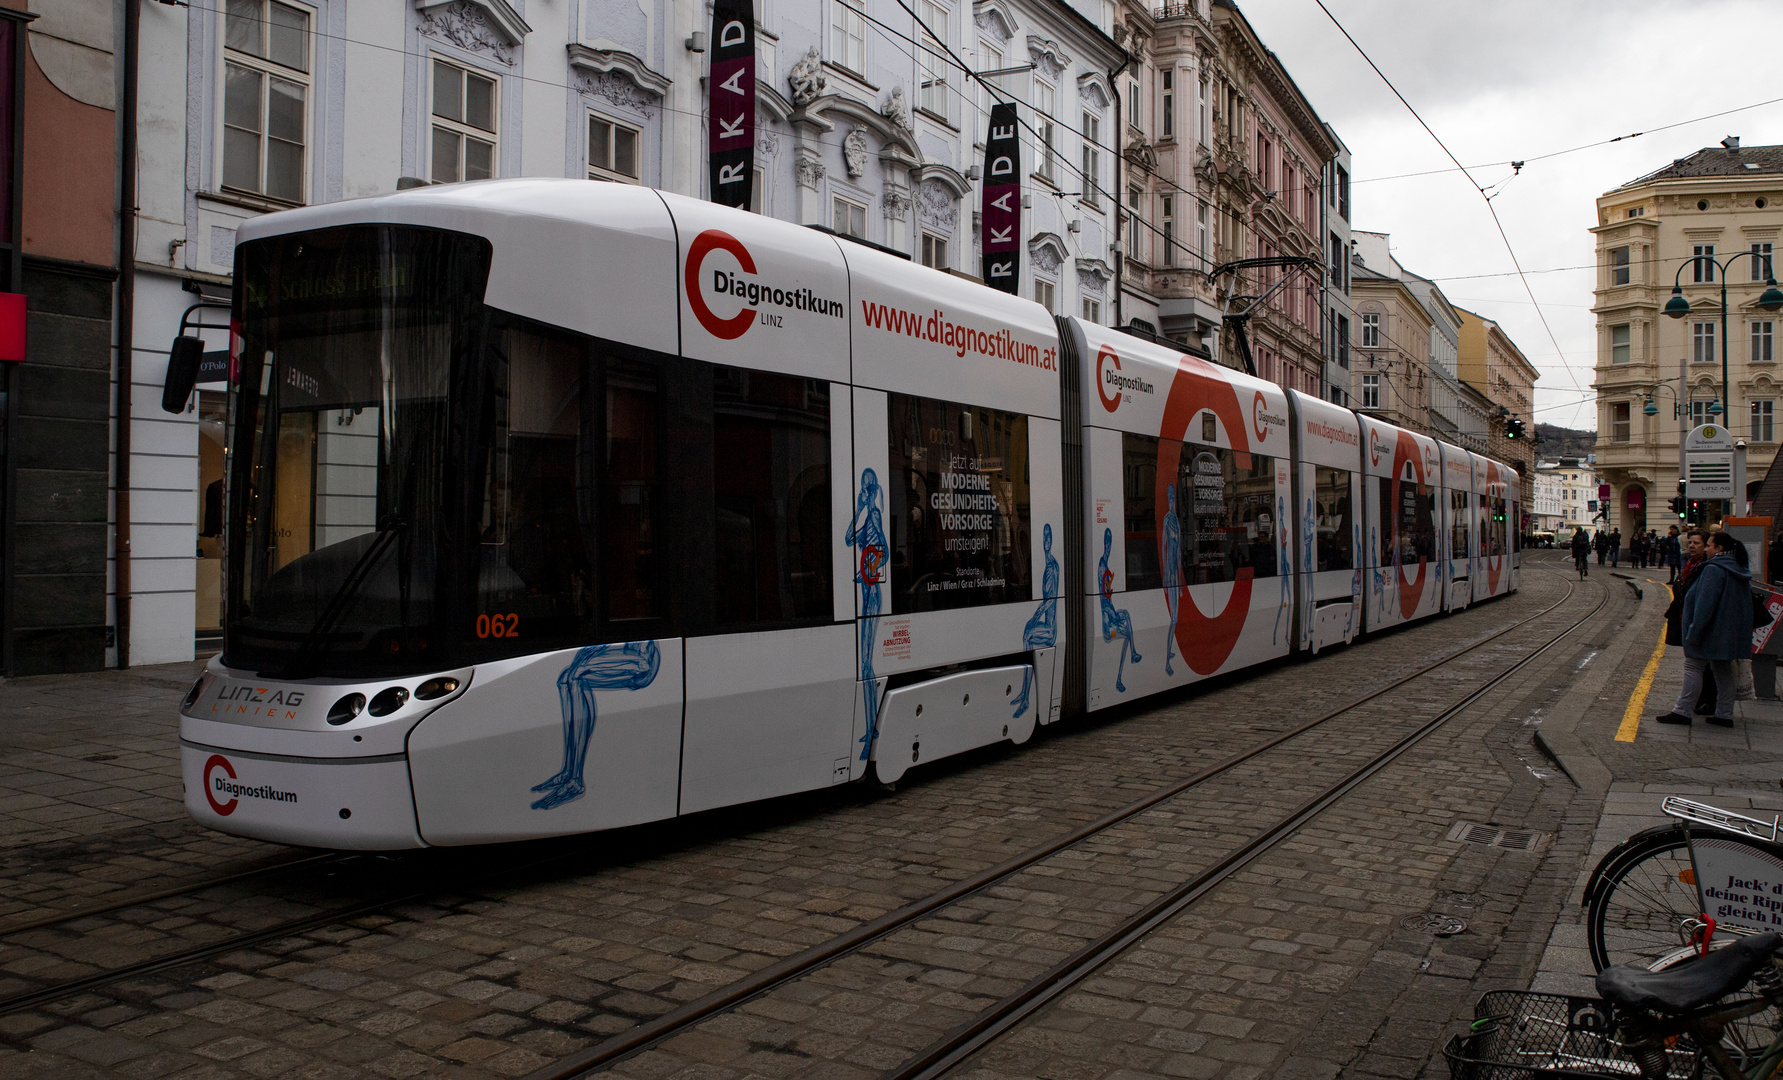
(1139, 484)
(959, 505)
(1331, 500)
(771, 478)
(1230, 514)
(1492, 540)
(1458, 533)
(1412, 520)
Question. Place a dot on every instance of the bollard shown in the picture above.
(1764, 677)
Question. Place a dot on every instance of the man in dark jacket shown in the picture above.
(1671, 549)
(1715, 626)
(1582, 552)
(1602, 543)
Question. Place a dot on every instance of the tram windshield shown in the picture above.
(350, 338)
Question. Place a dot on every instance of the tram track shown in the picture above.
(653, 1032)
(941, 1056)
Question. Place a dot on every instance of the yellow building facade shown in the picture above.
(1490, 362)
(1719, 203)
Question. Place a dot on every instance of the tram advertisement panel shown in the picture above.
(960, 505)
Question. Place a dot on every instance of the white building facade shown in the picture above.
(260, 105)
(1548, 515)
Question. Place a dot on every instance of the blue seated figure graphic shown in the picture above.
(1172, 574)
(630, 665)
(1042, 630)
(1115, 622)
(866, 534)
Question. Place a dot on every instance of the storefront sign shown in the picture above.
(1001, 226)
(12, 326)
(730, 142)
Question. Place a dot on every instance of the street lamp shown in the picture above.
(1678, 307)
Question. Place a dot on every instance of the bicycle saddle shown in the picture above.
(1692, 984)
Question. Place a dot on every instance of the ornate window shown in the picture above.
(1619, 344)
(1092, 157)
(848, 217)
(1764, 341)
(266, 64)
(932, 59)
(463, 124)
(934, 251)
(1045, 294)
(612, 149)
(848, 35)
(1702, 342)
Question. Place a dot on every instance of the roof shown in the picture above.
(1717, 161)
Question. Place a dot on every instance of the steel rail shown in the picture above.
(645, 1035)
(967, 1039)
(138, 899)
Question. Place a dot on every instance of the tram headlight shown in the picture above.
(344, 710)
(434, 688)
(388, 700)
(197, 691)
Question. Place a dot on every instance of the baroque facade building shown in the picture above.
(1720, 202)
(1227, 161)
(867, 122)
(1490, 362)
(1391, 358)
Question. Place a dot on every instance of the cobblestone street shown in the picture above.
(1308, 962)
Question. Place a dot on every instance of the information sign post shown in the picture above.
(1709, 464)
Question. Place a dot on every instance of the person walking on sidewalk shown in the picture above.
(1671, 550)
(1601, 542)
(1715, 621)
(1615, 547)
(1582, 552)
(1637, 549)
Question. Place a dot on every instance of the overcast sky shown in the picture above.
(1513, 81)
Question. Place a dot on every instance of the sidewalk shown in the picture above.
(1738, 768)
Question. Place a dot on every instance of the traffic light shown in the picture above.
(1513, 428)
(1678, 506)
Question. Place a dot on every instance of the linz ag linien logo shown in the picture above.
(225, 785)
(249, 700)
(1120, 384)
(744, 287)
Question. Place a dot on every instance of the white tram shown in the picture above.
(558, 506)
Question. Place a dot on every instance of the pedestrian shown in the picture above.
(1673, 552)
(1582, 552)
(1715, 623)
(1602, 544)
(1615, 547)
(1637, 549)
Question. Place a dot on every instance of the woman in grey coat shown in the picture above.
(1717, 625)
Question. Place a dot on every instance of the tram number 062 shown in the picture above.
(503, 626)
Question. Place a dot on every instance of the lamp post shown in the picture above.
(1650, 409)
(1678, 307)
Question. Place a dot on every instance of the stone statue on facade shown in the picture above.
(854, 152)
(896, 110)
(807, 78)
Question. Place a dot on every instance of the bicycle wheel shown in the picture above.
(1748, 1038)
(1643, 903)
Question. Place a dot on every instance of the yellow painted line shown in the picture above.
(1637, 701)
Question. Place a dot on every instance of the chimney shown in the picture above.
(1731, 144)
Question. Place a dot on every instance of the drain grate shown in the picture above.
(1472, 832)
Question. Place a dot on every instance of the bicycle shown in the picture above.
(1657, 1025)
(1654, 899)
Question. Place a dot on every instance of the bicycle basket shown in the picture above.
(1520, 1035)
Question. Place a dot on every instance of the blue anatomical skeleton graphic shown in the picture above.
(1042, 630)
(1172, 574)
(630, 665)
(1284, 568)
(1115, 621)
(866, 534)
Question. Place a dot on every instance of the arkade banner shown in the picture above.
(730, 103)
(1000, 239)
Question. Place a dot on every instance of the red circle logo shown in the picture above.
(1109, 403)
(223, 809)
(872, 564)
(1257, 424)
(703, 245)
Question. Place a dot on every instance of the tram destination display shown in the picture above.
(959, 506)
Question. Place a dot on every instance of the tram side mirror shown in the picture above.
(182, 372)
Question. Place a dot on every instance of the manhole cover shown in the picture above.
(1432, 923)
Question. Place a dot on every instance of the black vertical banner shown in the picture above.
(731, 102)
(1001, 215)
